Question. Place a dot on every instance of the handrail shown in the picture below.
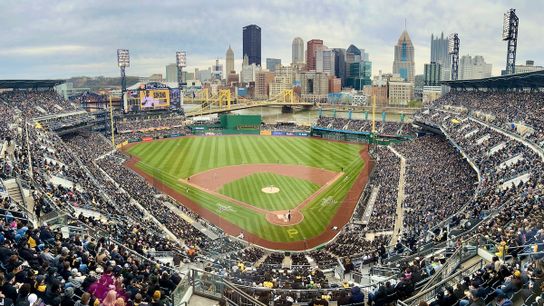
(93, 232)
(537, 149)
(449, 266)
(246, 296)
(422, 294)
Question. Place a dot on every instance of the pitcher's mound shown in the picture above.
(270, 189)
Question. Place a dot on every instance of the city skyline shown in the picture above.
(79, 38)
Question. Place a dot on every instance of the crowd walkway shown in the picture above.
(397, 230)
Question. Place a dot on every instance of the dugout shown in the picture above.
(356, 136)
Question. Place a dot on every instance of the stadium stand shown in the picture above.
(86, 229)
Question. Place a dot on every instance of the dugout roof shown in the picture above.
(533, 79)
(25, 84)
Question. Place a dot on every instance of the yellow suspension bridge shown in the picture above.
(223, 102)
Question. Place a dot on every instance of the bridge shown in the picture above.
(222, 102)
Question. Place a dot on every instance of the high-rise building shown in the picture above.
(272, 63)
(324, 61)
(298, 51)
(433, 74)
(312, 46)
(314, 86)
(440, 55)
(364, 55)
(474, 68)
(252, 43)
(360, 74)
(340, 64)
(335, 84)
(400, 92)
(229, 61)
(248, 70)
(358, 69)
(203, 75)
(419, 84)
(283, 80)
(528, 67)
(217, 70)
(232, 78)
(404, 58)
(172, 73)
(262, 81)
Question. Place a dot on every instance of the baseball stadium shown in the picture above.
(312, 183)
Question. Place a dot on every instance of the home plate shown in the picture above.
(270, 189)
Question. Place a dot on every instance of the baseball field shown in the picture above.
(281, 192)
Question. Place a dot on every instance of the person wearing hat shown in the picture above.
(513, 283)
(156, 300)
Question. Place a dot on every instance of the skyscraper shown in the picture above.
(324, 61)
(252, 43)
(298, 51)
(217, 70)
(474, 68)
(433, 72)
(440, 55)
(229, 61)
(172, 73)
(272, 64)
(404, 58)
(340, 64)
(311, 48)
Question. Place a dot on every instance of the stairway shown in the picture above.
(259, 262)
(287, 262)
(14, 191)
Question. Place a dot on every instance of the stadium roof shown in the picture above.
(533, 79)
(21, 84)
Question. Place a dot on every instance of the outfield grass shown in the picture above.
(248, 189)
(168, 161)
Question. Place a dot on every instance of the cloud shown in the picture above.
(65, 38)
(43, 50)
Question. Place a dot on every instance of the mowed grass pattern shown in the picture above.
(168, 161)
(183, 157)
(248, 189)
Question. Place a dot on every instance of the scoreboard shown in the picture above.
(150, 96)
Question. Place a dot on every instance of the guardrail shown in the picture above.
(451, 264)
(384, 271)
(430, 293)
(179, 293)
(216, 287)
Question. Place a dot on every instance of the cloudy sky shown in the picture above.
(59, 39)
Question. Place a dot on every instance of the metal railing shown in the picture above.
(180, 291)
(430, 293)
(216, 287)
(451, 264)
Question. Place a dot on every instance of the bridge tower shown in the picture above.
(224, 95)
(288, 96)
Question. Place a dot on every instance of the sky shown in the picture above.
(61, 39)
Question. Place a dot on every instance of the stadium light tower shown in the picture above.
(453, 50)
(181, 61)
(510, 34)
(123, 61)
